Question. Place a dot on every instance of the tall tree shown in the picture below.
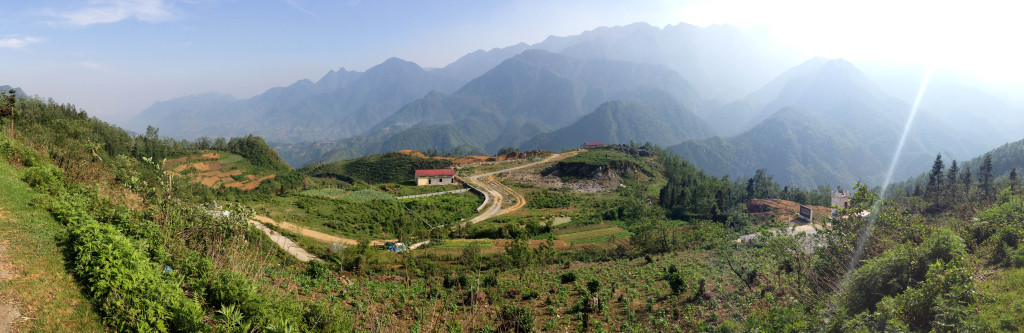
(1013, 180)
(986, 178)
(935, 178)
(7, 100)
(952, 186)
(966, 178)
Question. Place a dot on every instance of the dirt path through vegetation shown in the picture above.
(492, 189)
(326, 238)
(285, 243)
(9, 313)
(486, 183)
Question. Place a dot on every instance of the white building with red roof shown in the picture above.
(435, 177)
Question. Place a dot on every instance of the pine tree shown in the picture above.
(1013, 180)
(951, 183)
(8, 98)
(987, 188)
(935, 178)
(966, 179)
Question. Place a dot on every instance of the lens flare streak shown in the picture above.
(858, 251)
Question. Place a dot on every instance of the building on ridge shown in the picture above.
(840, 199)
(435, 177)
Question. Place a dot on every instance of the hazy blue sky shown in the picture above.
(116, 57)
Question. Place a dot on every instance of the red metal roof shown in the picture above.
(593, 144)
(435, 172)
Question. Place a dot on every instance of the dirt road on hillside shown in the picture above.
(494, 196)
(494, 191)
(320, 236)
(285, 243)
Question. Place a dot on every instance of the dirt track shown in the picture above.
(323, 237)
(306, 232)
(285, 243)
(493, 199)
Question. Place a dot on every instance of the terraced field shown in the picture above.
(217, 169)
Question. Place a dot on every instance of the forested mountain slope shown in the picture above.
(519, 98)
(855, 126)
(649, 116)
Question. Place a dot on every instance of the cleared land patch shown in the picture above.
(216, 170)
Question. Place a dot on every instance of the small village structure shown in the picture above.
(840, 199)
(592, 144)
(435, 177)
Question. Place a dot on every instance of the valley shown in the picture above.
(611, 237)
(639, 177)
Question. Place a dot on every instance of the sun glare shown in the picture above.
(975, 38)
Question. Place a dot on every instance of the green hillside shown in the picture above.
(391, 167)
(100, 238)
(652, 117)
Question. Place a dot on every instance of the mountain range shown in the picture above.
(828, 123)
(721, 97)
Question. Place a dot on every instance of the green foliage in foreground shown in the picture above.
(128, 287)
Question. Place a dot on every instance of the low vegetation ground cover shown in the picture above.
(369, 214)
(32, 268)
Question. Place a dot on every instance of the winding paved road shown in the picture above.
(493, 190)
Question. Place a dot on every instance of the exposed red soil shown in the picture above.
(782, 210)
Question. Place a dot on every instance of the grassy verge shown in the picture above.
(594, 234)
(1003, 299)
(410, 188)
(38, 283)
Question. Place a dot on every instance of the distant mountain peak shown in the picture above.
(393, 61)
(395, 64)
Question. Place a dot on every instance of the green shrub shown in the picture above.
(230, 288)
(944, 299)
(900, 268)
(515, 318)
(44, 177)
(17, 153)
(569, 277)
(676, 280)
(489, 280)
(316, 269)
(125, 285)
(327, 317)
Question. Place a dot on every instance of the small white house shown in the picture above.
(435, 177)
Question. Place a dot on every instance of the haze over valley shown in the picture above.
(729, 107)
